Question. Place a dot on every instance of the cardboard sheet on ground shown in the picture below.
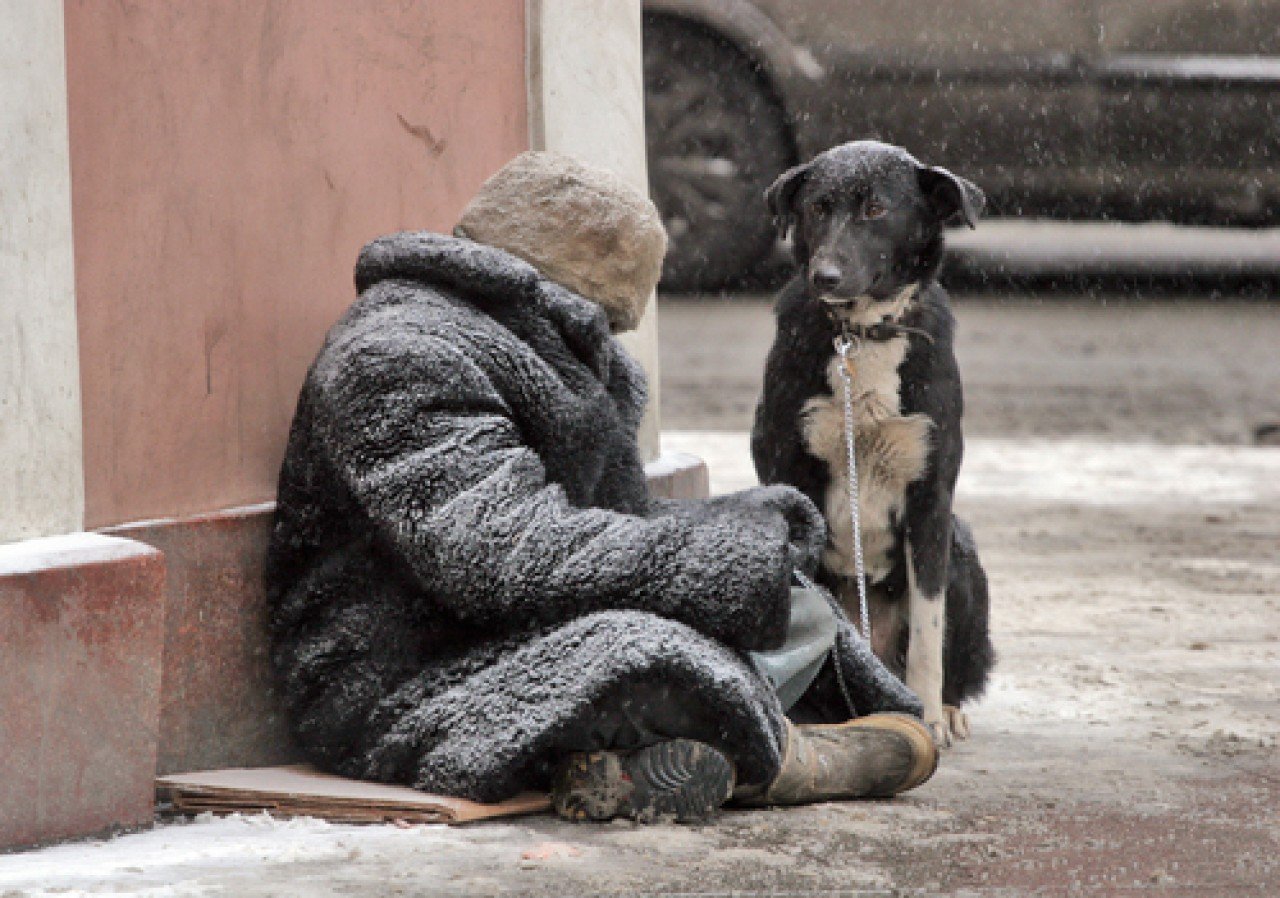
(301, 790)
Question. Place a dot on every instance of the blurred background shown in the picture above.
(1062, 110)
(1128, 151)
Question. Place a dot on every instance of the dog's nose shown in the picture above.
(825, 276)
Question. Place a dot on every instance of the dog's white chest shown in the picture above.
(891, 451)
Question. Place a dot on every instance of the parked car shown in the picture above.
(1154, 110)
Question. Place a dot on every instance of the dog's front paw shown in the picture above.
(941, 731)
(957, 722)
(950, 726)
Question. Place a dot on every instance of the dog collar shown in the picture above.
(883, 330)
(878, 332)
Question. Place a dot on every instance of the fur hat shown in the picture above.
(581, 226)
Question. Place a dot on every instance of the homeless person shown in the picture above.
(472, 592)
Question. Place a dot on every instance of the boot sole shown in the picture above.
(678, 780)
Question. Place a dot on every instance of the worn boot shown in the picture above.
(680, 780)
(871, 757)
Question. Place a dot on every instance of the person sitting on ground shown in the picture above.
(472, 591)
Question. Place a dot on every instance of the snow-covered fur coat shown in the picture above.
(465, 561)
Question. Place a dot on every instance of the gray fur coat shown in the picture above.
(465, 562)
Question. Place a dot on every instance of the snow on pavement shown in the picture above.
(1137, 693)
(225, 856)
(1081, 472)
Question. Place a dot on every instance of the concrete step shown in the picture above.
(81, 632)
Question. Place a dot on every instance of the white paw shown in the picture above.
(948, 727)
(957, 722)
(941, 731)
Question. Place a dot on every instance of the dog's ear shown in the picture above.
(781, 197)
(951, 195)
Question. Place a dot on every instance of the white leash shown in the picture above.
(845, 346)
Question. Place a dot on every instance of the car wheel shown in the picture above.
(716, 140)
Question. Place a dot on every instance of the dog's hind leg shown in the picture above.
(969, 655)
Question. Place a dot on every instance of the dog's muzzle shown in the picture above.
(846, 303)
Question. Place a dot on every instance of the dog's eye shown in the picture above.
(875, 209)
(824, 205)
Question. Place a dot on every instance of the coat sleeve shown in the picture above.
(431, 453)
(806, 528)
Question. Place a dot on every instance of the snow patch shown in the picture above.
(1079, 472)
(1114, 474)
(32, 556)
(184, 858)
(670, 464)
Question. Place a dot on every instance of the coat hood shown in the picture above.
(491, 277)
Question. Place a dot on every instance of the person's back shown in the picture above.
(416, 329)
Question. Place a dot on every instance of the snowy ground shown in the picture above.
(1128, 745)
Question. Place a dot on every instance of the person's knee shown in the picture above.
(660, 693)
(648, 636)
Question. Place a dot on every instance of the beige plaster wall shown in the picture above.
(41, 470)
(229, 159)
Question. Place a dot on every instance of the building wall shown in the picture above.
(228, 161)
(586, 89)
(41, 472)
(183, 193)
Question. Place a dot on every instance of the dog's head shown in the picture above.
(866, 221)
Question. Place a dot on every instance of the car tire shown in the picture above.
(716, 140)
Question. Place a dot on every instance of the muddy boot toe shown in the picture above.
(876, 756)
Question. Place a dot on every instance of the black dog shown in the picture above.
(867, 223)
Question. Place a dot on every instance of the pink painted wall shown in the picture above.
(228, 161)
